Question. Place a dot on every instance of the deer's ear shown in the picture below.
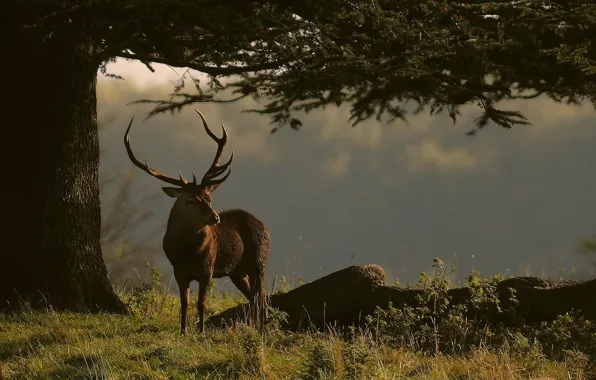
(172, 192)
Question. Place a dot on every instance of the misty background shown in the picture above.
(399, 194)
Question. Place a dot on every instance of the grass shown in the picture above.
(147, 345)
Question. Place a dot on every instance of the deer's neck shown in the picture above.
(182, 236)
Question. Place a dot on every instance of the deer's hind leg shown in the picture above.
(258, 298)
(243, 284)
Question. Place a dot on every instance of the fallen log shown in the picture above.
(346, 297)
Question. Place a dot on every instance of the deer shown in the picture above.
(202, 244)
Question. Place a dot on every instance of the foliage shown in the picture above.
(566, 336)
(282, 285)
(382, 57)
(436, 327)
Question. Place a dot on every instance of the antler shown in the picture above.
(216, 170)
(145, 167)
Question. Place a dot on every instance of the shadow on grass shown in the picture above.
(80, 367)
(25, 347)
(18, 348)
(225, 369)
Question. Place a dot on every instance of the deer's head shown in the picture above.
(193, 200)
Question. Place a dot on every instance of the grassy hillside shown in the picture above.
(414, 343)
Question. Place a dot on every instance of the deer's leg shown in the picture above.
(258, 300)
(243, 284)
(202, 303)
(262, 297)
(184, 287)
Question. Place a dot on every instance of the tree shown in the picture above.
(379, 56)
(296, 54)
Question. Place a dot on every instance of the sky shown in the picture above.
(398, 194)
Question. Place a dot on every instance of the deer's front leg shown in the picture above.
(202, 302)
(184, 287)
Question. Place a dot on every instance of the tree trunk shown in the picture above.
(51, 206)
(346, 297)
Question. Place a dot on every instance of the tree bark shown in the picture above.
(346, 297)
(53, 257)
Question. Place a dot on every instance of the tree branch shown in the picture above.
(211, 70)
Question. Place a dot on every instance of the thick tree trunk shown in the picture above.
(51, 207)
(347, 296)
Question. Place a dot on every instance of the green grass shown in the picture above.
(48, 345)
(147, 345)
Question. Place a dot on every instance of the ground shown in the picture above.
(147, 345)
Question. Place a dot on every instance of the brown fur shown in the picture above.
(237, 247)
(202, 244)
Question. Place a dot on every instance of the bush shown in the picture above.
(435, 326)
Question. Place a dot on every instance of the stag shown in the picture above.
(202, 244)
